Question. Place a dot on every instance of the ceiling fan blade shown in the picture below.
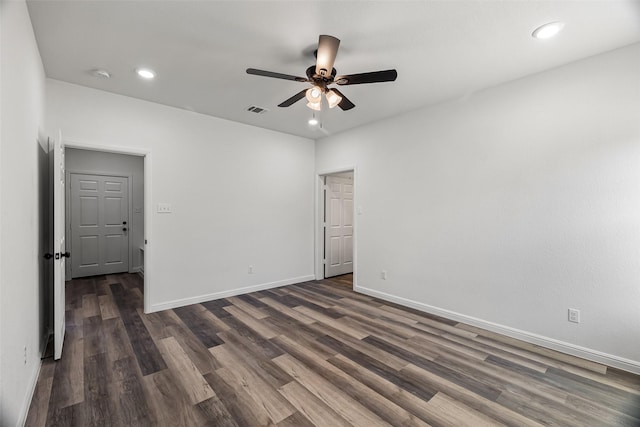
(275, 75)
(295, 98)
(372, 77)
(345, 104)
(326, 56)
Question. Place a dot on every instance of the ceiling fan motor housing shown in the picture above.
(320, 81)
(311, 73)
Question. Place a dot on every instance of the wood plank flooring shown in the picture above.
(312, 354)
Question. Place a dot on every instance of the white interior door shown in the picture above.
(338, 226)
(99, 224)
(60, 253)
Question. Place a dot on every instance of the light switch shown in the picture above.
(164, 208)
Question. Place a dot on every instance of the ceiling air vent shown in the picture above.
(257, 110)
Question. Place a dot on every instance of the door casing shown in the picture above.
(148, 214)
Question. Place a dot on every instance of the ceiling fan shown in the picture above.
(323, 74)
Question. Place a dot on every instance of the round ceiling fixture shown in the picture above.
(313, 121)
(548, 30)
(146, 73)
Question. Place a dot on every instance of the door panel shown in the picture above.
(112, 211)
(347, 212)
(339, 226)
(88, 251)
(335, 215)
(113, 187)
(113, 251)
(334, 252)
(58, 173)
(89, 185)
(99, 217)
(348, 249)
(88, 212)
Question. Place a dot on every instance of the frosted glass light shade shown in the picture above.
(317, 106)
(333, 98)
(313, 94)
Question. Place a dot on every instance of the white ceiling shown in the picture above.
(200, 50)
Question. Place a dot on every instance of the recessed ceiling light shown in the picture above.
(102, 73)
(548, 30)
(145, 73)
(313, 121)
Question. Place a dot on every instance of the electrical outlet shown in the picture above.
(25, 354)
(574, 315)
(250, 269)
(383, 274)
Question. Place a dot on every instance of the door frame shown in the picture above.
(68, 209)
(319, 223)
(148, 217)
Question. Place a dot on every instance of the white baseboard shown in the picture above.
(33, 381)
(230, 293)
(553, 344)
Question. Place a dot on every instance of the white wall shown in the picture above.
(509, 207)
(88, 161)
(22, 165)
(240, 195)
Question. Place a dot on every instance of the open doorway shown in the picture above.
(59, 227)
(104, 213)
(335, 242)
(94, 160)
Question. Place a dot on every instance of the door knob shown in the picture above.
(66, 254)
(124, 222)
(124, 229)
(48, 256)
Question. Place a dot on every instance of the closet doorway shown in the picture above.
(336, 225)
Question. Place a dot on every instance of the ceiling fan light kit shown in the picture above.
(333, 98)
(316, 106)
(323, 74)
(313, 94)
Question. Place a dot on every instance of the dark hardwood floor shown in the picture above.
(303, 355)
(344, 280)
